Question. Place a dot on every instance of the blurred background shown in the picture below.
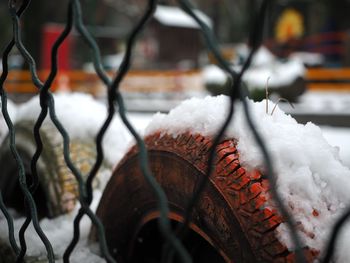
(300, 25)
(305, 57)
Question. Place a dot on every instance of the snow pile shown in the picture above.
(310, 177)
(60, 232)
(262, 56)
(212, 74)
(308, 58)
(176, 17)
(279, 74)
(323, 102)
(266, 66)
(340, 138)
(82, 116)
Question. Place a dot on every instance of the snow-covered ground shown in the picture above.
(310, 173)
(320, 103)
(60, 232)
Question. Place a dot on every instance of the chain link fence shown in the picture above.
(116, 105)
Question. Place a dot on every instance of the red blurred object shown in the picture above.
(50, 34)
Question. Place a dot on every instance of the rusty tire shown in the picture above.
(58, 191)
(234, 214)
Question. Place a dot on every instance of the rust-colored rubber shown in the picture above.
(234, 213)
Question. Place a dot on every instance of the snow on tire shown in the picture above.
(234, 214)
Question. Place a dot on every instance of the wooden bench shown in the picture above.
(19, 81)
(328, 79)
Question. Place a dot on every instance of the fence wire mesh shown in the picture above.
(116, 104)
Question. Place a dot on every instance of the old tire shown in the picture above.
(58, 191)
(233, 217)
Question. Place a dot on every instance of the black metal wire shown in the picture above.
(164, 223)
(237, 92)
(46, 100)
(3, 95)
(334, 235)
(30, 203)
(37, 126)
(83, 196)
(10, 227)
(115, 99)
(90, 41)
(21, 234)
(107, 81)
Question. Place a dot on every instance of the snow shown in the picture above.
(308, 58)
(321, 102)
(174, 16)
(82, 116)
(262, 56)
(266, 66)
(280, 74)
(309, 171)
(310, 175)
(339, 137)
(140, 120)
(113, 61)
(60, 232)
(212, 74)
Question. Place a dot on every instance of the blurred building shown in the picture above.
(173, 39)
